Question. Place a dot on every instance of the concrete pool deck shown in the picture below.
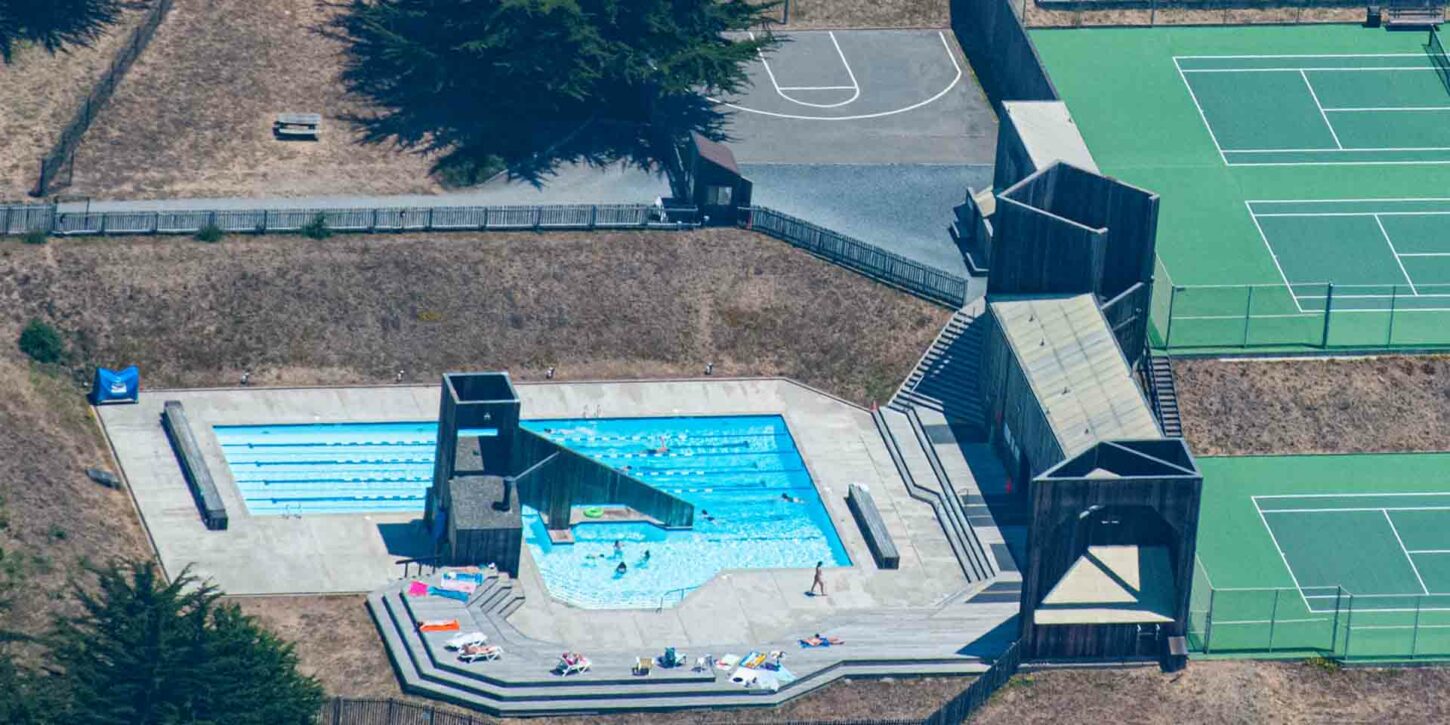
(261, 555)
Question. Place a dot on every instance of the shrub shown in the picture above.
(210, 233)
(317, 228)
(41, 342)
(34, 236)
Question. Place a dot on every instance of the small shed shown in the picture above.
(717, 188)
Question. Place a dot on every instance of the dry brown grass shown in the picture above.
(1315, 406)
(194, 116)
(52, 517)
(807, 14)
(1042, 17)
(358, 308)
(1224, 692)
(38, 94)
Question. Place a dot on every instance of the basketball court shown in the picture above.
(862, 97)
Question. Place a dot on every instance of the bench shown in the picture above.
(1420, 18)
(304, 126)
(193, 466)
(873, 529)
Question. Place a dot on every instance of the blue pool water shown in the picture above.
(734, 468)
(331, 468)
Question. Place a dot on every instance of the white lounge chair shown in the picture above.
(466, 639)
(480, 653)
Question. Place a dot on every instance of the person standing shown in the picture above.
(820, 580)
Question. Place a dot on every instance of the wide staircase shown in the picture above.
(945, 379)
(1158, 379)
(918, 464)
(879, 644)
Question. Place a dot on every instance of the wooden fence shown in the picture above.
(961, 707)
(347, 711)
(926, 282)
(57, 164)
(49, 219)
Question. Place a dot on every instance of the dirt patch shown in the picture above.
(1224, 692)
(39, 93)
(807, 14)
(1315, 406)
(359, 308)
(194, 116)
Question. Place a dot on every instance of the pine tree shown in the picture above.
(55, 24)
(146, 651)
(530, 84)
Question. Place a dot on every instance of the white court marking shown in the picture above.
(858, 117)
(855, 87)
(1335, 156)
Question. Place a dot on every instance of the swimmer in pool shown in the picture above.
(621, 569)
(791, 499)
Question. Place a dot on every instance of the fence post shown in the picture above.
(1273, 614)
(483, 225)
(538, 216)
(430, 218)
(1328, 309)
(1208, 621)
(1248, 314)
(1334, 630)
(1390, 334)
(1415, 631)
(1348, 626)
(5, 225)
(1168, 326)
(374, 226)
(594, 214)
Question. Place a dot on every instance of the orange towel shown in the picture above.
(438, 625)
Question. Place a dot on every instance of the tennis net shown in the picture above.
(1439, 57)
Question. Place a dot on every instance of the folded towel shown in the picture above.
(417, 589)
(460, 596)
(463, 576)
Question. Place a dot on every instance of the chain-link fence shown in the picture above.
(1323, 622)
(1307, 317)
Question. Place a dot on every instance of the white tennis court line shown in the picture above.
(1272, 255)
(1408, 558)
(1201, 115)
(1303, 72)
(1282, 558)
(1425, 591)
(1387, 109)
(863, 116)
(1385, 233)
(1310, 85)
(1335, 69)
(1296, 296)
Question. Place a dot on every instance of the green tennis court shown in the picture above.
(1342, 555)
(1304, 172)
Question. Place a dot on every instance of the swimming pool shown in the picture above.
(736, 471)
(332, 468)
(755, 504)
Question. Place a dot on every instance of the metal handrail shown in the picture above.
(682, 591)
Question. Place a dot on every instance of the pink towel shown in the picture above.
(417, 589)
